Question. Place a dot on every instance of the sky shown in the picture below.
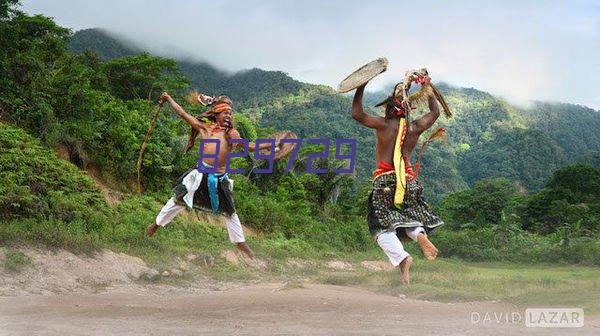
(519, 50)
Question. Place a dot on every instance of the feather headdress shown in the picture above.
(196, 98)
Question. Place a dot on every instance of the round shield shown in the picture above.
(283, 148)
(363, 75)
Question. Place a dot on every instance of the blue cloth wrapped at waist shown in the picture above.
(213, 180)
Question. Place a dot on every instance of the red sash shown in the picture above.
(384, 167)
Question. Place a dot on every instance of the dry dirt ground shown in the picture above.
(259, 309)
(69, 295)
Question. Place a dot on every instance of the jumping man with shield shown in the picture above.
(396, 208)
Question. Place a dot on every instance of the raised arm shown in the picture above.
(359, 114)
(426, 121)
(195, 123)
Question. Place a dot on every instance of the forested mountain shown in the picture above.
(488, 137)
(574, 127)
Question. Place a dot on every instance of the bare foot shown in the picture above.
(151, 230)
(405, 269)
(429, 250)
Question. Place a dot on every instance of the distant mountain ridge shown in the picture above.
(242, 86)
(105, 44)
(488, 137)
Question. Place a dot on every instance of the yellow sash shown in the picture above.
(399, 165)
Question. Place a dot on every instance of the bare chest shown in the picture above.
(215, 141)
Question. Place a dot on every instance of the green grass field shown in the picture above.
(445, 280)
(524, 285)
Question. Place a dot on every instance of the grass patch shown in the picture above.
(15, 261)
(224, 271)
(452, 280)
(294, 284)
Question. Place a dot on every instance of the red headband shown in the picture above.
(221, 107)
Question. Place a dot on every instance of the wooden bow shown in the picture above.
(145, 144)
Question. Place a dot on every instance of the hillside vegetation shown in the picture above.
(504, 181)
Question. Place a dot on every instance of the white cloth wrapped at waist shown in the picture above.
(192, 182)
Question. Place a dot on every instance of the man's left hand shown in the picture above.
(423, 80)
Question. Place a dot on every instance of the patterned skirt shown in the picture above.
(384, 216)
(202, 197)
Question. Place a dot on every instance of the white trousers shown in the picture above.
(391, 245)
(172, 209)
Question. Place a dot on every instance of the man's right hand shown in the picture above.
(163, 98)
(423, 80)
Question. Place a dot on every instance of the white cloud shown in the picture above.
(520, 50)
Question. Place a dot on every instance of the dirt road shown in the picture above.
(263, 309)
